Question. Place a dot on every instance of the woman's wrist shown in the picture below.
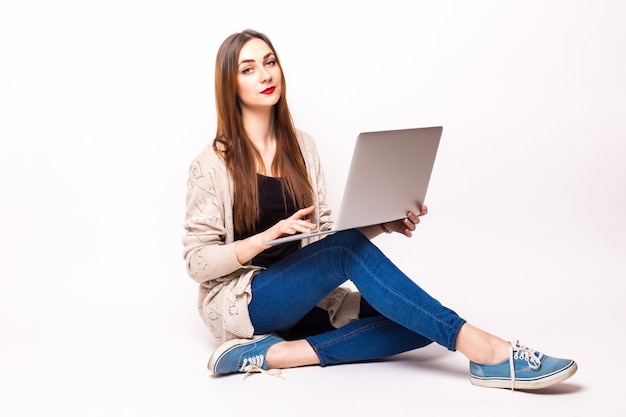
(248, 248)
(384, 228)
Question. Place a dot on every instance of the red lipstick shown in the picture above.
(269, 90)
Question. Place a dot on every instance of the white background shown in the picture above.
(104, 104)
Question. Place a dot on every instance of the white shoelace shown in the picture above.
(531, 356)
(254, 364)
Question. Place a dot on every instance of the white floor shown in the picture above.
(65, 354)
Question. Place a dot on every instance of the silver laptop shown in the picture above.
(388, 176)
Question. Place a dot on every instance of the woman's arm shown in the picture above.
(209, 250)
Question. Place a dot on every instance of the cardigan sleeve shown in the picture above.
(209, 250)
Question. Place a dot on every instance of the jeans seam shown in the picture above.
(397, 294)
(318, 347)
(354, 332)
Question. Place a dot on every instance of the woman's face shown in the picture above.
(259, 78)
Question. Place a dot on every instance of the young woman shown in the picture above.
(284, 306)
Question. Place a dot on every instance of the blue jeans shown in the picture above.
(396, 314)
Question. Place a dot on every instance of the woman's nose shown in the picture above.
(264, 75)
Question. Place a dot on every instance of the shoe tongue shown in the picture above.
(523, 348)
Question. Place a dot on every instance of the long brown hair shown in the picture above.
(240, 155)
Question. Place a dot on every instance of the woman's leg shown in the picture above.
(347, 345)
(283, 294)
(372, 336)
(364, 339)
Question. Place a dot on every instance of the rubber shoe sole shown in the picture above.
(540, 382)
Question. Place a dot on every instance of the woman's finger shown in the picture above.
(303, 212)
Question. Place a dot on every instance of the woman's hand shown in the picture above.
(407, 225)
(297, 223)
(248, 248)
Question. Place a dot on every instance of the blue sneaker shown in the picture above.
(525, 369)
(243, 355)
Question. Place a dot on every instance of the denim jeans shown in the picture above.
(396, 314)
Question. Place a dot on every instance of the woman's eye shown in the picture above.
(270, 63)
(246, 71)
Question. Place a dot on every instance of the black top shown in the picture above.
(273, 207)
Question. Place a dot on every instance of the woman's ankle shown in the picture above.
(481, 347)
(291, 354)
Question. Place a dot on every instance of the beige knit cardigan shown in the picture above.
(209, 248)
